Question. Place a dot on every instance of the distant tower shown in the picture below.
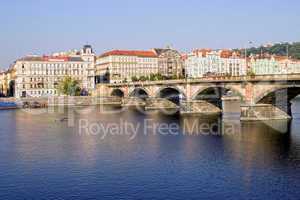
(169, 46)
(87, 53)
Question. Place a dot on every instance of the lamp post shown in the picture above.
(248, 88)
(250, 42)
(287, 50)
(186, 86)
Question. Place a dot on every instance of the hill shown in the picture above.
(279, 49)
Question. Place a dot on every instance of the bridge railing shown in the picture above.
(267, 77)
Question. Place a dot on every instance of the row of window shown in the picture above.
(42, 79)
(134, 66)
(40, 85)
(206, 63)
(54, 72)
(41, 92)
(52, 66)
(128, 59)
(143, 71)
(275, 70)
(133, 59)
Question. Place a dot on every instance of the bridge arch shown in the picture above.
(117, 93)
(234, 91)
(139, 92)
(280, 97)
(214, 94)
(290, 91)
(171, 93)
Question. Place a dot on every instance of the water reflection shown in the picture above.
(209, 125)
(272, 138)
(239, 160)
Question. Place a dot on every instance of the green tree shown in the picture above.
(134, 79)
(143, 78)
(158, 77)
(70, 87)
(250, 73)
(153, 77)
(280, 49)
(174, 77)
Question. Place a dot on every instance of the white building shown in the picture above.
(205, 62)
(274, 65)
(38, 76)
(122, 65)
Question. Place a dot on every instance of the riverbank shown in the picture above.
(44, 102)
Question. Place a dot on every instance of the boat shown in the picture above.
(8, 105)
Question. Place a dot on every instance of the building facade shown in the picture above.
(2, 84)
(274, 65)
(205, 62)
(7, 82)
(170, 63)
(39, 76)
(122, 65)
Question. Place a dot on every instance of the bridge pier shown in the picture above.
(160, 104)
(262, 112)
(231, 107)
(198, 107)
(133, 102)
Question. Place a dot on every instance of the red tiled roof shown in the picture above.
(204, 52)
(184, 56)
(59, 58)
(280, 58)
(226, 53)
(129, 53)
(51, 58)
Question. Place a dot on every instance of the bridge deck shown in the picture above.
(237, 79)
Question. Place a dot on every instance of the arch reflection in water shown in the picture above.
(209, 125)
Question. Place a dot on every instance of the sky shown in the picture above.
(43, 27)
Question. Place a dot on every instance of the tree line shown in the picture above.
(280, 49)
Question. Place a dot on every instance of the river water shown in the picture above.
(91, 153)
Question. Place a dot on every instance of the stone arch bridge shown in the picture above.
(276, 90)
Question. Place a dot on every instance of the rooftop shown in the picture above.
(137, 53)
(202, 52)
(51, 59)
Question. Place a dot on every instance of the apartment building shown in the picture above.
(122, 65)
(206, 62)
(274, 65)
(38, 76)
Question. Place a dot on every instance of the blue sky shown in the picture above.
(41, 27)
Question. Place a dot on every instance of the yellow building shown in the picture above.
(2, 78)
(7, 82)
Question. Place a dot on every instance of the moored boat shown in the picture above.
(8, 105)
